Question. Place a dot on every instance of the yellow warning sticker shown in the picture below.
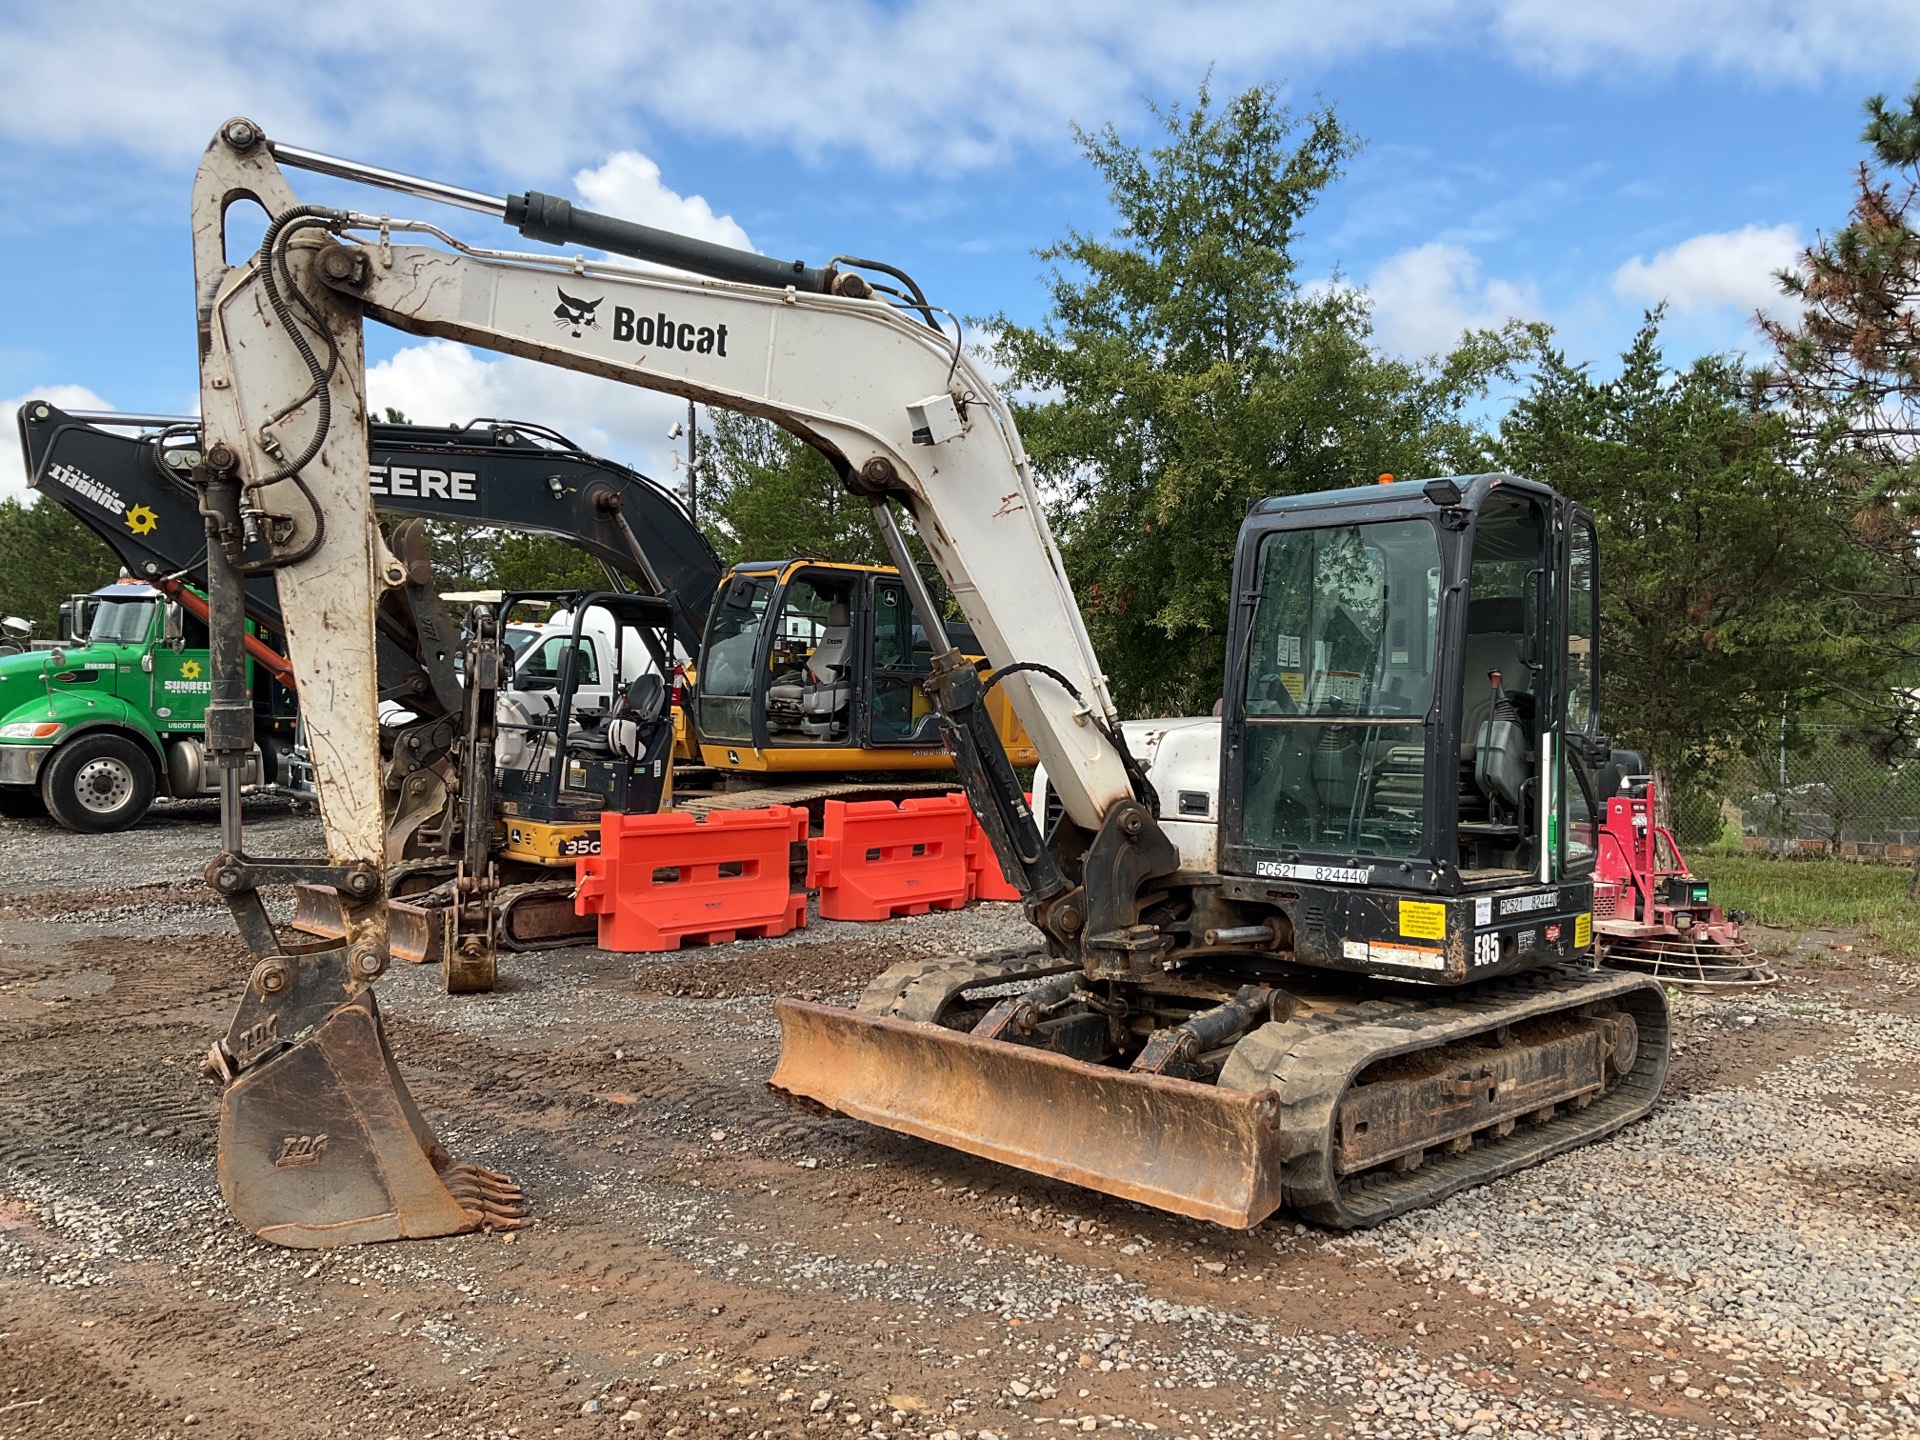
(1582, 930)
(1296, 684)
(1423, 920)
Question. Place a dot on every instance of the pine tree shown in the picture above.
(1846, 373)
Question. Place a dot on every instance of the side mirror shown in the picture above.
(14, 625)
(173, 626)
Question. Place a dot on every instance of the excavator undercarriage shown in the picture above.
(1351, 1109)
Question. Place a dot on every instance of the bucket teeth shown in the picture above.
(488, 1194)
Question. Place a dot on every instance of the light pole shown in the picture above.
(692, 431)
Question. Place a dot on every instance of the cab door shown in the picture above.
(1581, 754)
(182, 666)
(812, 656)
(900, 657)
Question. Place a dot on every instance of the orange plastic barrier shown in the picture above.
(875, 859)
(662, 879)
(984, 880)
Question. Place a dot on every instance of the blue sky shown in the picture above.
(1565, 162)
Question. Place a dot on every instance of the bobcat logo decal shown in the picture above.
(575, 315)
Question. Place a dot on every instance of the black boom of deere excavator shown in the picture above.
(511, 474)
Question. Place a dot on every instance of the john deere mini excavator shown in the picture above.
(1328, 951)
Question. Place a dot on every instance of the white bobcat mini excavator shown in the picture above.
(1328, 951)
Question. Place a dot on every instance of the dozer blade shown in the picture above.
(322, 1146)
(1173, 1144)
(413, 932)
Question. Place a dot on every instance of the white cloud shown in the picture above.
(443, 383)
(1727, 267)
(1798, 41)
(903, 84)
(629, 186)
(13, 465)
(1425, 297)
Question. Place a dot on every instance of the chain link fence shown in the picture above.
(1833, 788)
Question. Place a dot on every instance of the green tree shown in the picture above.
(1846, 374)
(1716, 554)
(766, 495)
(1187, 370)
(45, 556)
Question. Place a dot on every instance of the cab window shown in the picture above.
(542, 662)
(1339, 680)
(726, 658)
(122, 622)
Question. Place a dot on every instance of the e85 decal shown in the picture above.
(1486, 949)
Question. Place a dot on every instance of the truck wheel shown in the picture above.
(97, 783)
(19, 802)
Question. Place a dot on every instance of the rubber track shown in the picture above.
(923, 989)
(509, 896)
(1312, 1061)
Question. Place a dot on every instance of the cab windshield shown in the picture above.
(121, 622)
(1339, 680)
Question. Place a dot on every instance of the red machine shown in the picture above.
(1651, 913)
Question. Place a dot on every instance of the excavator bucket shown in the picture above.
(1173, 1144)
(322, 1146)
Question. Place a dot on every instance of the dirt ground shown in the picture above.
(707, 1262)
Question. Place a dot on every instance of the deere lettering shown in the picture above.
(666, 333)
(420, 484)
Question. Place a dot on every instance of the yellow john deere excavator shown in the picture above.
(1328, 950)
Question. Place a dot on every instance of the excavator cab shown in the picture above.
(1415, 703)
(807, 666)
(570, 761)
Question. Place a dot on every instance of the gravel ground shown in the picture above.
(707, 1262)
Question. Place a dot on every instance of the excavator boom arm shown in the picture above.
(103, 467)
(899, 408)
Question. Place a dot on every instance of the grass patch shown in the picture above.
(1819, 894)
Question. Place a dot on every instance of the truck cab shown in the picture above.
(93, 730)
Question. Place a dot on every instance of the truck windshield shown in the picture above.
(121, 622)
(1340, 675)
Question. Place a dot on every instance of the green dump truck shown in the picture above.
(94, 729)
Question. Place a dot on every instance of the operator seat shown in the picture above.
(1496, 640)
(829, 691)
(641, 705)
(824, 691)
